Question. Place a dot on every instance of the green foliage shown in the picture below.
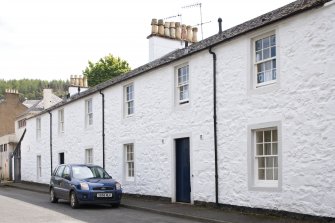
(105, 69)
(32, 89)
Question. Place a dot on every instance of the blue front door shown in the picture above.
(183, 181)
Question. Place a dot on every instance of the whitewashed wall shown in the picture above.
(303, 101)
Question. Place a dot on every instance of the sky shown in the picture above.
(51, 40)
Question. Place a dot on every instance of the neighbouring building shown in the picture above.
(10, 107)
(34, 107)
(243, 118)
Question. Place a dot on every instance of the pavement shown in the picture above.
(187, 211)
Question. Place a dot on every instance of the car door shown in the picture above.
(57, 181)
(66, 183)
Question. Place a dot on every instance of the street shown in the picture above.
(26, 206)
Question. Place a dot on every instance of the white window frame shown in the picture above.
(182, 81)
(129, 99)
(39, 166)
(38, 128)
(88, 112)
(61, 121)
(253, 156)
(89, 156)
(263, 62)
(129, 162)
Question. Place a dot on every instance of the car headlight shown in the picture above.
(118, 186)
(84, 186)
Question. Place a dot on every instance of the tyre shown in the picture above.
(53, 198)
(73, 200)
(116, 205)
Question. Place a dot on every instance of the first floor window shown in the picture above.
(129, 99)
(89, 156)
(39, 166)
(183, 84)
(129, 162)
(22, 123)
(89, 112)
(61, 121)
(265, 60)
(38, 128)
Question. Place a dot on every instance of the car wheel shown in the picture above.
(115, 205)
(73, 200)
(53, 198)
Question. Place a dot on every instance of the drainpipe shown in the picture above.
(50, 142)
(215, 129)
(103, 129)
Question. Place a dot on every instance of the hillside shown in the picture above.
(33, 88)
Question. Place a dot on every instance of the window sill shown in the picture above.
(266, 187)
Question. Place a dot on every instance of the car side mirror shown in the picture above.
(67, 177)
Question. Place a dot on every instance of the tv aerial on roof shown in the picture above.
(201, 23)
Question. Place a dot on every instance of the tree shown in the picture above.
(105, 69)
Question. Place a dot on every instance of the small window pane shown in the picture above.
(261, 162)
(259, 56)
(269, 174)
(267, 136)
(274, 136)
(268, 65)
(275, 172)
(275, 162)
(261, 174)
(273, 40)
(259, 136)
(273, 51)
(266, 42)
(260, 77)
(258, 45)
(266, 53)
(273, 63)
(274, 149)
(274, 75)
(267, 148)
(259, 149)
(269, 162)
(268, 75)
(260, 67)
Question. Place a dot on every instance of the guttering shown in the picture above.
(215, 129)
(103, 128)
(50, 142)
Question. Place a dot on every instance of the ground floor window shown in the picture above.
(39, 166)
(89, 156)
(129, 162)
(264, 155)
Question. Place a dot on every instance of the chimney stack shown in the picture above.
(167, 36)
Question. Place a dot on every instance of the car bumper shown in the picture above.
(90, 197)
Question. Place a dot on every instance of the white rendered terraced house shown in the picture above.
(270, 144)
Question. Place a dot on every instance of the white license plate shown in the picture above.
(104, 195)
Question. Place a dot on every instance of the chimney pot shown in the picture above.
(160, 27)
(167, 29)
(173, 30)
(178, 31)
(81, 84)
(154, 26)
(195, 34)
(183, 32)
(189, 34)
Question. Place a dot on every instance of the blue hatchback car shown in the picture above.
(84, 184)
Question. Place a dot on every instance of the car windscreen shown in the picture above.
(89, 172)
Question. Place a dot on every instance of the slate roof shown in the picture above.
(276, 15)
